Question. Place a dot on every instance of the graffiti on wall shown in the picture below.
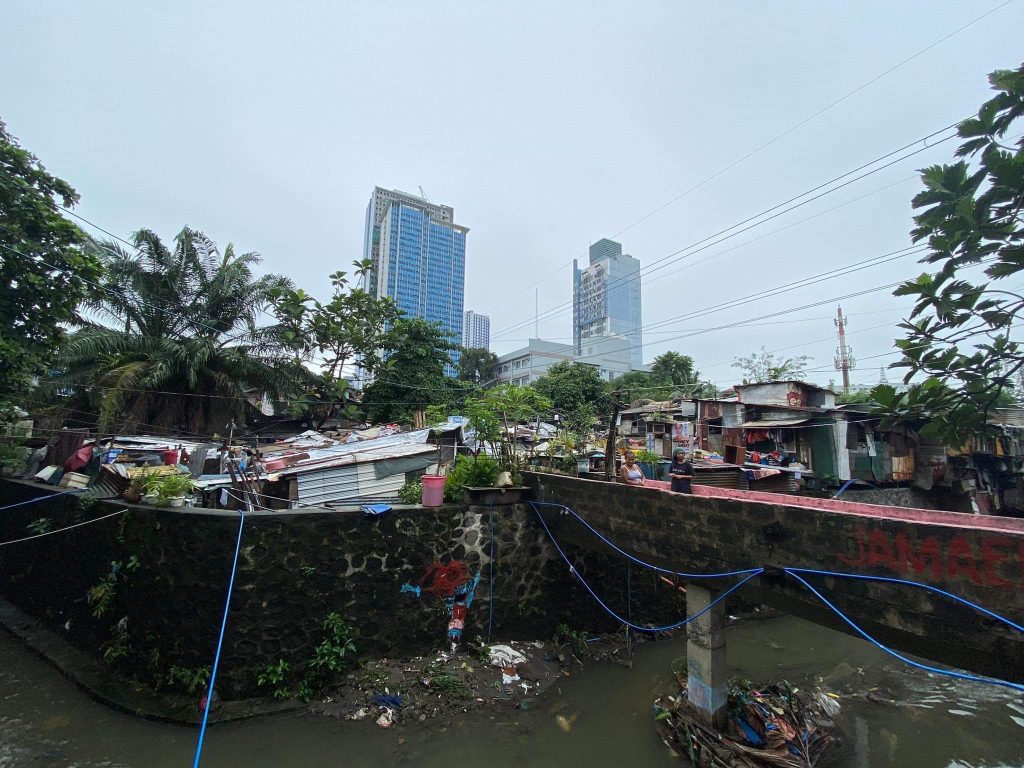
(986, 561)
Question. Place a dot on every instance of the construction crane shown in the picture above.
(423, 194)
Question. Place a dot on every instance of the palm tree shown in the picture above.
(173, 341)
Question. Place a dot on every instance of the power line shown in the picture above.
(653, 268)
(796, 285)
(778, 290)
(798, 222)
(771, 141)
(65, 528)
(751, 221)
(777, 322)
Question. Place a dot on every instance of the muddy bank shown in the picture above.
(440, 686)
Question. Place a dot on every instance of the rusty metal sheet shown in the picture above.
(903, 468)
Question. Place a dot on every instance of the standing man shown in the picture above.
(681, 472)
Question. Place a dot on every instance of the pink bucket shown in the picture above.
(433, 490)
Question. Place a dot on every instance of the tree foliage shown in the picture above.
(572, 386)
(958, 335)
(174, 340)
(495, 413)
(477, 365)
(852, 398)
(674, 368)
(412, 375)
(44, 270)
(672, 375)
(763, 366)
(640, 385)
(351, 327)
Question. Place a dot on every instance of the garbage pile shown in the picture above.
(776, 725)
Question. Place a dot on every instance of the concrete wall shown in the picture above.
(294, 569)
(979, 558)
(891, 497)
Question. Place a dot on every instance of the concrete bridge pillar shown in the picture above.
(707, 684)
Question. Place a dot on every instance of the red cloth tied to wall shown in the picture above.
(442, 580)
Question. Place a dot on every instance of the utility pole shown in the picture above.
(536, 313)
(844, 355)
(609, 447)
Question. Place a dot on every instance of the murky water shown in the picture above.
(46, 721)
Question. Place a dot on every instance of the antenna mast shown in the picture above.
(844, 360)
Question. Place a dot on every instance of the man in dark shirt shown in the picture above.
(681, 472)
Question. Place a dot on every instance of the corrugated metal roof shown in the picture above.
(395, 446)
(804, 384)
(346, 483)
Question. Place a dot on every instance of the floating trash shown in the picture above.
(775, 725)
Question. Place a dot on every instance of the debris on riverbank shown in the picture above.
(421, 688)
(776, 725)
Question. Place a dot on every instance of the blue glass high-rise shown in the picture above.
(420, 260)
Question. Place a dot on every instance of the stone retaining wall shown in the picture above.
(295, 567)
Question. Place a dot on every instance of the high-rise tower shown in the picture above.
(418, 256)
(606, 299)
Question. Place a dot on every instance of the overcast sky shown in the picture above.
(546, 125)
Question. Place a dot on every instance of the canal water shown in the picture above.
(599, 718)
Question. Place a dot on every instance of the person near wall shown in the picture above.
(630, 472)
(681, 472)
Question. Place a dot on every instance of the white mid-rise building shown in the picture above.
(476, 331)
(609, 355)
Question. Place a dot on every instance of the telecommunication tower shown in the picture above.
(845, 361)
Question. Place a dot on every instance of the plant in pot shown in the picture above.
(150, 489)
(133, 493)
(470, 471)
(173, 489)
(496, 415)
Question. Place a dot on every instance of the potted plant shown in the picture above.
(173, 489)
(135, 490)
(151, 489)
(474, 479)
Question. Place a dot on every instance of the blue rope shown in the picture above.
(625, 621)
(490, 573)
(795, 573)
(901, 657)
(42, 498)
(917, 584)
(844, 486)
(220, 642)
(637, 560)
